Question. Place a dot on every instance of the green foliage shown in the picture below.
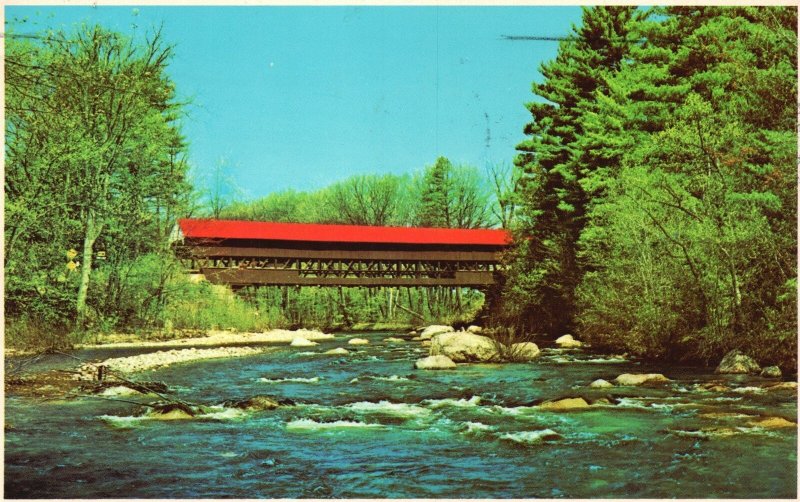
(451, 196)
(670, 188)
(206, 306)
(540, 296)
(94, 162)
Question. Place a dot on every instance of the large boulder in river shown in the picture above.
(569, 403)
(257, 403)
(463, 347)
(299, 341)
(524, 351)
(790, 386)
(567, 342)
(736, 362)
(435, 363)
(172, 411)
(772, 423)
(640, 378)
(434, 330)
(771, 372)
(357, 341)
(601, 384)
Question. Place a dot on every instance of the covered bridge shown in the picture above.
(244, 253)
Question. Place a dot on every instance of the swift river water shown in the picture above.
(369, 425)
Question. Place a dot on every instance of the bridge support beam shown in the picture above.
(287, 277)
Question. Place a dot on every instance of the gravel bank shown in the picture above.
(215, 338)
(162, 358)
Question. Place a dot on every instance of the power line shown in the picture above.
(539, 38)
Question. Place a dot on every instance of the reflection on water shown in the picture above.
(368, 425)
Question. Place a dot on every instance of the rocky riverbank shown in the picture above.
(62, 383)
(217, 338)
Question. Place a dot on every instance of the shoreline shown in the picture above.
(218, 338)
(55, 383)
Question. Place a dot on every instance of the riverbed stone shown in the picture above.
(714, 386)
(475, 330)
(601, 384)
(736, 362)
(171, 415)
(772, 423)
(463, 347)
(523, 351)
(393, 339)
(172, 411)
(792, 386)
(300, 341)
(358, 341)
(569, 403)
(771, 372)
(640, 378)
(434, 330)
(338, 351)
(568, 342)
(435, 363)
(257, 403)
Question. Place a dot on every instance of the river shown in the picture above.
(368, 425)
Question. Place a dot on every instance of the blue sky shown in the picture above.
(299, 97)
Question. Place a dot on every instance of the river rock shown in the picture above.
(569, 403)
(783, 386)
(358, 341)
(171, 415)
(392, 339)
(338, 351)
(463, 347)
(257, 403)
(736, 362)
(772, 423)
(640, 378)
(714, 386)
(601, 384)
(524, 351)
(299, 341)
(475, 330)
(171, 411)
(434, 330)
(435, 363)
(426, 343)
(567, 342)
(771, 372)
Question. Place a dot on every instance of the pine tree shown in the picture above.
(540, 295)
(692, 244)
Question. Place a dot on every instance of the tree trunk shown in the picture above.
(91, 234)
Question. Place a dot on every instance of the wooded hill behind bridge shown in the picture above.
(247, 253)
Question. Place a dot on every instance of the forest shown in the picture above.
(653, 199)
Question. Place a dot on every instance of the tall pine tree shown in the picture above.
(540, 295)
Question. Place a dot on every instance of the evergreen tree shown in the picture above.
(540, 293)
(692, 245)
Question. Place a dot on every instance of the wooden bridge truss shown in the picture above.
(436, 269)
(246, 262)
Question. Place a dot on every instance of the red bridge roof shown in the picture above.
(262, 230)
